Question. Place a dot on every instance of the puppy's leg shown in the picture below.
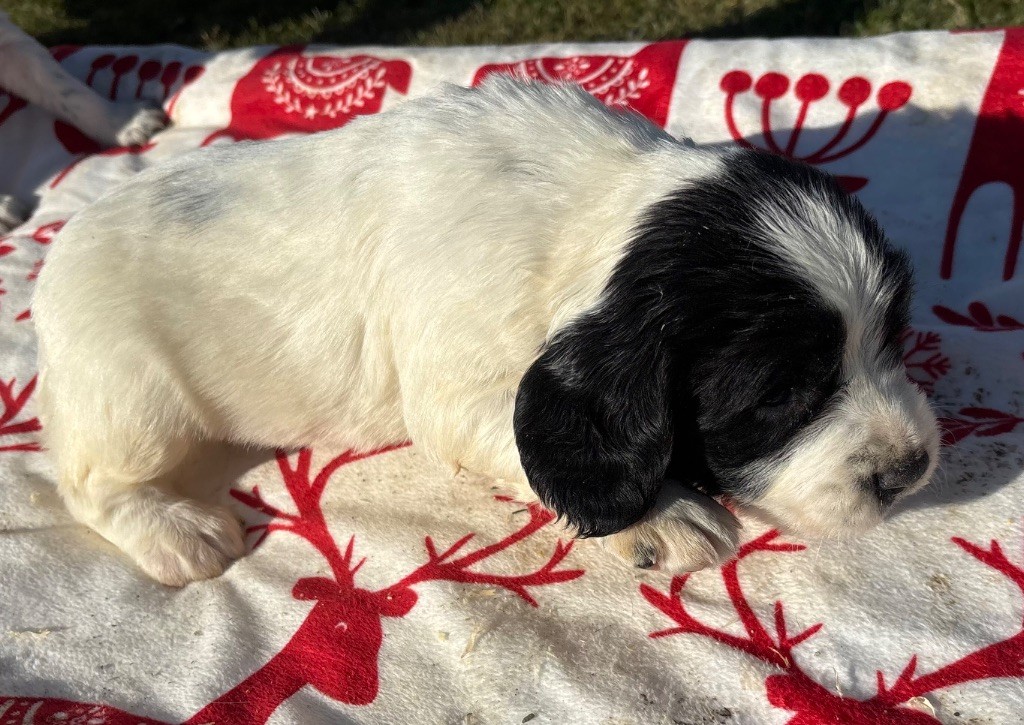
(173, 539)
(115, 452)
(28, 70)
(685, 531)
(12, 213)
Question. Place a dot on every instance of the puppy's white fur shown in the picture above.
(394, 280)
(390, 280)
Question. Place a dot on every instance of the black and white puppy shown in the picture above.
(521, 281)
(27, 70)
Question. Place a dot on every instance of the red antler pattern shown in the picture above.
(853, 93)
(442, 567)
(335, 649)
(795, 690)
(923, 358)
(13, 404)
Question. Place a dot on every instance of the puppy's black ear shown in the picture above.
(593, 425)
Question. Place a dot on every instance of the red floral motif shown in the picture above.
(796, 690)
(923, 358)
(996, 153)
(13, 403)
(152, 71)
(979, 317)
(853, 93)
(288, 92)
(642, 82)
(981, 422)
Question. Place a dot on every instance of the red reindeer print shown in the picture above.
(794, 689)
(980, 422)
(289, 92)
(923, 358)
(996, 152)
(978, 317)
(642, 82)
(11, 426)
(853, 93)
(335, 649)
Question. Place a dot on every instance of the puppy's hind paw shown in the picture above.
(12, 213)
(191, 542)
(142, 121)
(685, 531)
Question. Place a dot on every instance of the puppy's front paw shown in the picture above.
(685, 531)
(141, 121)
(190, 542)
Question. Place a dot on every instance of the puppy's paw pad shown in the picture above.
(194, 542)
(144, 121)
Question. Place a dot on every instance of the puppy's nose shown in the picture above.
(905, 473)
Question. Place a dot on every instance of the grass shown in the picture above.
(216, 24)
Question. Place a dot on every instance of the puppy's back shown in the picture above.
(449, 234)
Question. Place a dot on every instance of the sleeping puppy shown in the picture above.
(520, 280)
(27, 70)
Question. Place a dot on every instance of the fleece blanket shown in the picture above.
(380, 590)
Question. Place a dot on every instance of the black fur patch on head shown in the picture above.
(709, 351)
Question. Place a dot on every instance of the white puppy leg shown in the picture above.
(28, 70)
(12, 213)
(173, 539)
(685, 531)
(117, 440)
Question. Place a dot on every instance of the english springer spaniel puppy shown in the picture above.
(523, 282)
(27, 70)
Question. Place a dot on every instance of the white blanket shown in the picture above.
(381, 591)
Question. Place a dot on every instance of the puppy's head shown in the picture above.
(749, 339)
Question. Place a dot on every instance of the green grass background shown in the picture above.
(214, 24)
